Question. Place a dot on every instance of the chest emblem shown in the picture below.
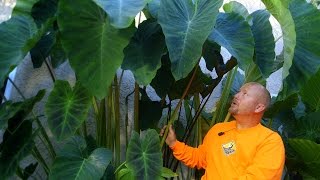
(229, 148)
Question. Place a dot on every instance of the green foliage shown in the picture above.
(93, 46)
(240, 44)
(144, 156)
(186, 25)
(66, 109)
(143, 55)
(74, 162)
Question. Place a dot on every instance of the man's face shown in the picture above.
(245, 101)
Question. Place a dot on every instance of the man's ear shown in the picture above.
(260, 108)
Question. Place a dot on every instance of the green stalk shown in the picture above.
(219, 114)
(117, 120)
(38, 156)
(84, 129)
(198, 128)
(19, 172)
(136, 108)
(48, 143)
(174, 114)
(96, 115)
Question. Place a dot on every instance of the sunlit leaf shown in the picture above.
(237, 8)
(186, 25)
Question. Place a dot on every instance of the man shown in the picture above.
(240, 149)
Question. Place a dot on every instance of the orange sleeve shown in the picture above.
(268, 162)
(192, 157)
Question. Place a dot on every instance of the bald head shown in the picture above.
(262, 94)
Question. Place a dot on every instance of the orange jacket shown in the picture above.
(256, 153)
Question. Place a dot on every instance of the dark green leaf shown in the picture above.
(186, 25)
(122, 13)
(109, 173)
(239, 44)
(264, 41)
(18, 111)
(144, 156)
(309, 127)
(144, 52)
(164, 78)
(282, 105)
(15, 35)
(66, 109)
(43, 10)
(149, 114)
(58, 55)
(309, 151)
(93, 46)
(306, 60)
(29, 170)
(74, 162)
(15, 147)
(41, 50)
(310, 92)
(212, 56)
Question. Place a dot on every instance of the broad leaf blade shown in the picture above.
(57, 53)
(144, 156)
(306, 60)
(122, 12)
(309, 151)
(186, 25)
(93, 46)
(279, 9)
(282, 105)
(74, 163)
(23, 7)
(144, 52)
(15, 35)
(153, 7)
(240, 44)
(264, 41)
(66, 109)
(310, 92)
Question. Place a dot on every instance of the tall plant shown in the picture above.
(98, 37)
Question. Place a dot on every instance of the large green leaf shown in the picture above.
(164, 78)
(57, 53)
(43, 10)
(15, 147)
(306, 60)
(125, 174)
(309, 151)
(144, 52)
(282, 105)
(263, 41)
(42, 49)
(66, 109)
(93, 46)
(18, 111)
(237, 8)
(310, 92)
(15, 35)
(253, 74)
(122, 12)
(309, 127)
(186, 25)
(144, 156)
(23, 7)
(239, 44)
(279, 9)
(75, 163)
(153, 8)
(212, 56)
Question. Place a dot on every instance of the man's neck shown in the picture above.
(245, 122)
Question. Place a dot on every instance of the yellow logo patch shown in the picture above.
(229, 148)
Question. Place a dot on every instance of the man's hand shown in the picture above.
(171, 138)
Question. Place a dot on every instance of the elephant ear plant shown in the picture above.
(168, 52)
